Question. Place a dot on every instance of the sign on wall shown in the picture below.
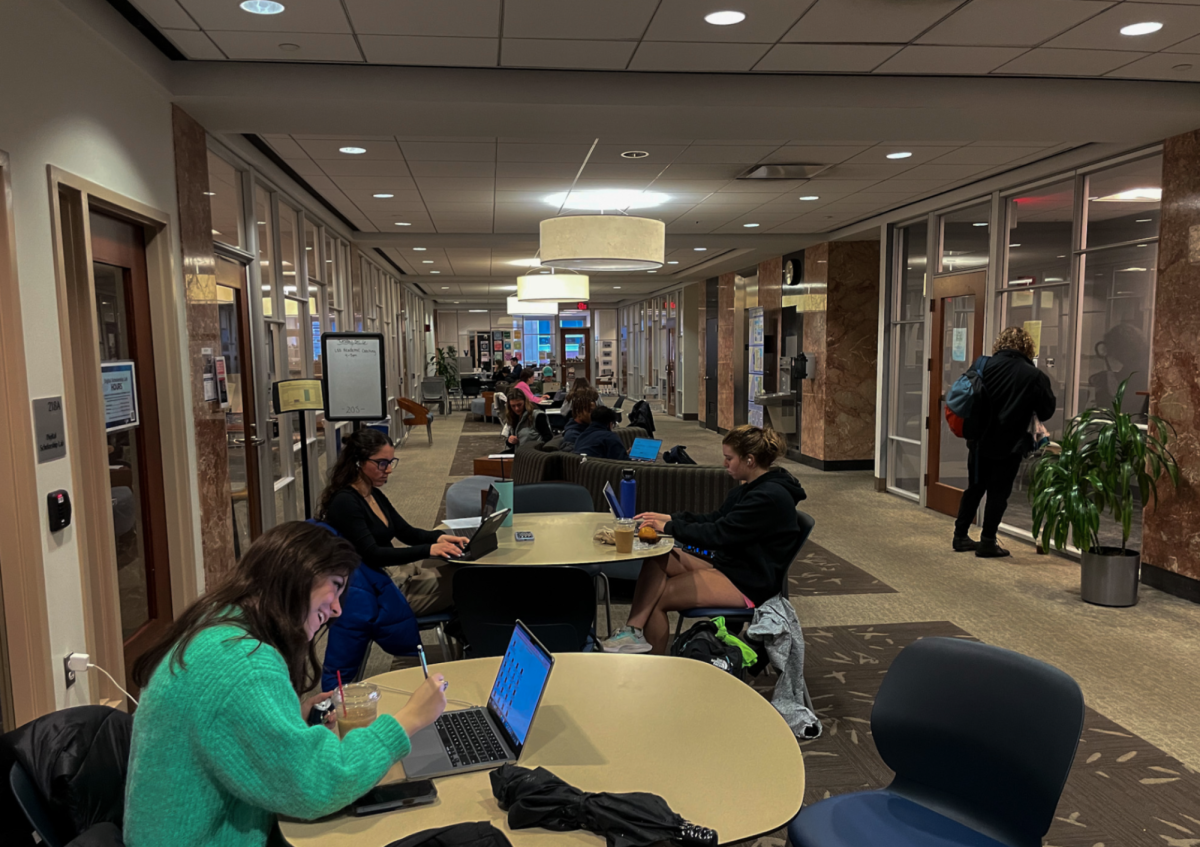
(48, 429)
(118, 384)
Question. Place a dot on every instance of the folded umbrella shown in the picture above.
(637, 819)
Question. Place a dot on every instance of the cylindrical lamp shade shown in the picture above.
(535, 288)
(603, 243)
(516, 306)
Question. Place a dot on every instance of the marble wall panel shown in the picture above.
(852, 324)
(812, 390)
(816, 263)
(725, 352)
(701, 393)
(770, 298)
(1171, 531)
(203, 327)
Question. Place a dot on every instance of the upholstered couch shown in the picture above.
(661, 487)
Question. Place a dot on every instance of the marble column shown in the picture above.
(701, 328)
(204, 331)
(770, 298)
(1171, 531)
(725, 352)
(812, 390)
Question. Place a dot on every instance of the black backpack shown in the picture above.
(641, 416)
(678, 455)
(701, 642)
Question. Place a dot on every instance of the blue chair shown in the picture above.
(981, 740)
(557, 603)
(31, 803)
(736, 618)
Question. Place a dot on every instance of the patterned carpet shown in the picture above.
(817, 571)
(473, 425)
(472, 447)
(1122, 790)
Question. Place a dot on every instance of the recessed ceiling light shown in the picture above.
(672, 263)
(748, 226)
(601, 199)
(1144, 28)
(1143, 220)
(420, 249)
(634, 154)
(427, 261)
(526, 263)
(980, 224)
(402, 223)
(699, 249)
(383, 196)
(1141, 245)
(445, 288)
(1060, 257)
(1014, 245)
(289, 46)
(616, 286)
(261, 7)
(477, 310)
(215, 232)
(435, 272)
(725, 18)
(810, 197)
(506, 288)
(651, 272)
(352, 151)
(210, 194)
(903, 154)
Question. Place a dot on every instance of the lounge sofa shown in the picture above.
(661, 487)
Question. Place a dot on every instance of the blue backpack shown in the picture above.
(966, 402)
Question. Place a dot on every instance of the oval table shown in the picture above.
(563, 538)
(711, 746)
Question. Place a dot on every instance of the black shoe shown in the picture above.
(964, 544)
(989, 549)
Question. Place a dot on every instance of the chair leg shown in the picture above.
(678, 627)
(607, 603)
(429, 431)
(441, 637)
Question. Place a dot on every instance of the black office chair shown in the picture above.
(735, 619)
(542, 423)
(33, 806)
(620, 400)
(557, 603)
(981, 740)
(472, 387)
(563, 497)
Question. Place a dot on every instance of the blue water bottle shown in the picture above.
(628, 493)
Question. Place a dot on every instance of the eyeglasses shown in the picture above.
(384, 465)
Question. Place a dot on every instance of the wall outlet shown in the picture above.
(74, 664)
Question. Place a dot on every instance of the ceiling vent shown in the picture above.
(783, 171)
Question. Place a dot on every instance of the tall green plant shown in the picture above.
(1104, 455)
(445, 365)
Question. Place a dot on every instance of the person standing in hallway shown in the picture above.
(1015, 391)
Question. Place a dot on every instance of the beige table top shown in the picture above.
(563, 538)
(712, 747)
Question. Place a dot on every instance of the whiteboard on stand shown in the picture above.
(355, 376)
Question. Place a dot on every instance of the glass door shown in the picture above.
(576, 354)
(241, 424)
(957, 336)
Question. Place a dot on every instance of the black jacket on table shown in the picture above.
(351, 515)
(752, 537)
(1016, 391)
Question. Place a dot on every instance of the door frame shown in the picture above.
(586, 358)
(944, 498)
(75, 197)
(24, 619)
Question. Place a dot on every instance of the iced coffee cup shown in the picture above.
(624, 532)
(359, 708)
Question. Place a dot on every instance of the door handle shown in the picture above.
(253, 442)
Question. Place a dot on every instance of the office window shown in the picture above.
(914, 265)
(1039, 235)
(965, 236)
(289, 255)
(225, 200)
(1123, 203)
(906, 410)
(312, 252)
(266, 250)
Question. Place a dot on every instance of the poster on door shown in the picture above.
(958, 346)
(119, 388)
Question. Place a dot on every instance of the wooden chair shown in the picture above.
(414, 415)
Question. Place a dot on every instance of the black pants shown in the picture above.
(991, 474)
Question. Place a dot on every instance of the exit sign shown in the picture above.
(581, 306)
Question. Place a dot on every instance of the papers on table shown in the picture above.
(500, 455)
(463, 523)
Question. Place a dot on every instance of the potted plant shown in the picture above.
(445, 365)
(1104, 461)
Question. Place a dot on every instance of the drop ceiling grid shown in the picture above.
(1007, 37)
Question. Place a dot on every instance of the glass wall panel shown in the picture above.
(965, 239)
(1039, 234)
(913, 266)
(225, 200)
(908, 404)
(1045, 312)
(289, 256)
(312, 252)
(1123, 203)
(904, 469)
(266, 263)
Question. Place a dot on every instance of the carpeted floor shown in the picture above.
(817, 571)
(472, 447)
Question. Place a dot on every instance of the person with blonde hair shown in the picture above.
(747, 545)
(1014, 391)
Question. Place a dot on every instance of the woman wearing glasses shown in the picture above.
(380, 605)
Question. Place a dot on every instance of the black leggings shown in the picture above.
(991, 475)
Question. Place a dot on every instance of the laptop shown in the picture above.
(645, 449)
(484, 738)
(483, 540)
(613, 502)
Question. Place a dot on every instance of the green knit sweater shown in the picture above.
(220, 749)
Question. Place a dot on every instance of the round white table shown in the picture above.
(711, 746)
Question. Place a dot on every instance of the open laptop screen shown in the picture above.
(519, 685)
(645, 449)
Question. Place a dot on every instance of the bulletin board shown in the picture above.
(355, 376)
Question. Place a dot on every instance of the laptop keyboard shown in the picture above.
(468, 738)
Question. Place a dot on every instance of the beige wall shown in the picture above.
(74, 102)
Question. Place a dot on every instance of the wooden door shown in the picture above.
(576, 346)
(134, 450)
(957, 304)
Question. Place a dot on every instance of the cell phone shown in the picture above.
(523, 535)
(397, 795)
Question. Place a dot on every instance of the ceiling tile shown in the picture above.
(166, 14)
(603, 20)
(752, 199)
(633, 171)
(816, 154)
(691, 56)
(1192, 45)
(459, 18)
(827, 58)
(305, 167)
(1180, 66)
(536, 170)
(924, 59)
(541, 185)
(689, 171)
(444, 183)
(453, 169)
(1052, 61)
(982, 156)
(939, 171)
(683, 20)
(1103, 32)
(878, 156)
(427, 151)
(285, 146)
(864, 171)
(349, 167)
(315, 16)
(329, 149)
(859, 21)
(478, 201)
(660, 154)
(1016, 23)
(430, 50)
(375, 184)
(691, 187)
(265, 46)
(546, 53)
(726, 154)
(563, 153)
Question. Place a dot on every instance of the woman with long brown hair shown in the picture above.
(220, 742)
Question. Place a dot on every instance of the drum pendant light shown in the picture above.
(516, 306)
(602, 243)
(552, 287)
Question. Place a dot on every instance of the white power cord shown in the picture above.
(114, 682)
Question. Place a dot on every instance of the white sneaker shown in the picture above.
(626, 641)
